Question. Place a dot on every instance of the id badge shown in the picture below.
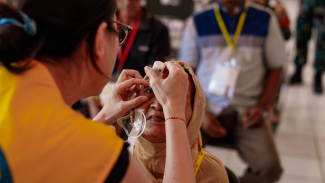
(219, 80)
(232, 81)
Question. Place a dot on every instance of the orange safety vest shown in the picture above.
(43, 140)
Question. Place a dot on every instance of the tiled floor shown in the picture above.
(300, 138)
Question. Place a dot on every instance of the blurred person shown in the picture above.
(283, 20)
(249, 34)
(150, 148)
(52, 54)
(148, 41)
(281, 15)
(311, 14)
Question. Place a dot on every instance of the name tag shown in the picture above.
(170, 2)
(218, 83)
(143, 48)
(232, 81)
(224, 79)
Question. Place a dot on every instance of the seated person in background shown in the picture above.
(150, 148)
(148, 42)
(260, 52)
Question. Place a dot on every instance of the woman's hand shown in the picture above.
(117, 103)
(170, 92)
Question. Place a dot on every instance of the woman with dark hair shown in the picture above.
(53, 53)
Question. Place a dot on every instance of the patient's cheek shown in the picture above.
(154, 131)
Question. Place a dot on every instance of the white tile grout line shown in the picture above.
(317, 149)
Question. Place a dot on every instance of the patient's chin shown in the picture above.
(155, 132)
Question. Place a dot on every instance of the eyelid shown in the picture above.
(147, 88)
(149, 92)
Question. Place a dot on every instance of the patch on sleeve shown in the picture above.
(143, 48)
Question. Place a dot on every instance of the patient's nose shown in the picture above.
(156, 105)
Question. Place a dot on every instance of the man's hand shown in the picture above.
(212, 126)
(252, 117)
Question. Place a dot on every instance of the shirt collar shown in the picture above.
(238, 9)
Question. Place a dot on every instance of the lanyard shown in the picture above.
(225, 33)
(198, 161)
(123, 55)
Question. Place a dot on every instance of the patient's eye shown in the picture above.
(149, 90)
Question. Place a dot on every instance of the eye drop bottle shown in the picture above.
(160, 69)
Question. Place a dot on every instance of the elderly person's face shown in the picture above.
(155, 129)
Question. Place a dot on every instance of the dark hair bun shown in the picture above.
(16, 44)
(62, 25)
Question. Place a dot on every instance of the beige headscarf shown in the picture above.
(152, 156)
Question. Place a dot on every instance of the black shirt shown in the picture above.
(150, 44)
(120, 167)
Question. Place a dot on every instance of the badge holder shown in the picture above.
(224, 78)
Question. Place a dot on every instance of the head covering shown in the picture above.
(152, 156)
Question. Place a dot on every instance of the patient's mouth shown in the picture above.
(156, 119)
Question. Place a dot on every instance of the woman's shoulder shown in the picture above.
(42, 125)
(83, 131)
(212, 159)
(212, 170)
